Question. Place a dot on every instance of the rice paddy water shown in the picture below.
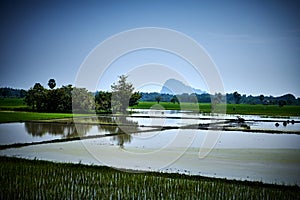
(265, 153)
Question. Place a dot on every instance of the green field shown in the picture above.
(17, 116)
(12, 104)
(242, 109)
(10, 107)
(25, 179)
(10, 112)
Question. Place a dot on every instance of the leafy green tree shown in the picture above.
(36, 97)
(289, 98)
(158, 98)
(51, 83)
(82, 100)
(215, 100)
(40, 94)
(134, 99)
(281, 103)
(65, 102)
(29, 98)
(122, 91)
(103, 101)
(23, 93)
(237, 97)
(174, 99)
(53, 99)
(261, 98)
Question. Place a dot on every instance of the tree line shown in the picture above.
(42, 99)
(6, 92)
(231, 98)
(68, 98)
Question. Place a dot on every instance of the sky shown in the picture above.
(255, 45)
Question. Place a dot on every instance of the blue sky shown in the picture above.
(254, 44)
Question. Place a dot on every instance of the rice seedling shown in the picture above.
(33, 179)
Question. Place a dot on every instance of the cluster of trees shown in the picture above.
(7, 92)
(287, 99)
(231, 98)
(69, 98)
(162, 97)
(59, 99)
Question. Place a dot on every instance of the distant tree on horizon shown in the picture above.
(174, 99)
(158, 98)
(7, 92)
(135, 97)
(237, 97)
(261, 98)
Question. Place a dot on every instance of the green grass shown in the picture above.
(176, 106)
(24, 179)
(10, 112)
(242, 109)
(12, 104)
(270, 110)
(17, 116)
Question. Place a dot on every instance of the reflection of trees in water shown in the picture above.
(122, 139)
(105, 120)
(123, 129)
(66, 130)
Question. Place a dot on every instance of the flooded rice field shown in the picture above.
(168, 141)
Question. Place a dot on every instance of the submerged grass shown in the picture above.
(33, 179)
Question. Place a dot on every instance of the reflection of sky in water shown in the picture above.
(35, 132)
(267, 123)
(227, 139)
(183, 113)
(11, 133)
(237, 139)
(16, 133)
(167, 121)
(271, 126)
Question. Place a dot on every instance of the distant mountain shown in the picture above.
(173, 86)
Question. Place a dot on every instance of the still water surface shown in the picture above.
(28, 132)
(236, 154)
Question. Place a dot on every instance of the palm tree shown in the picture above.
(51, 83)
